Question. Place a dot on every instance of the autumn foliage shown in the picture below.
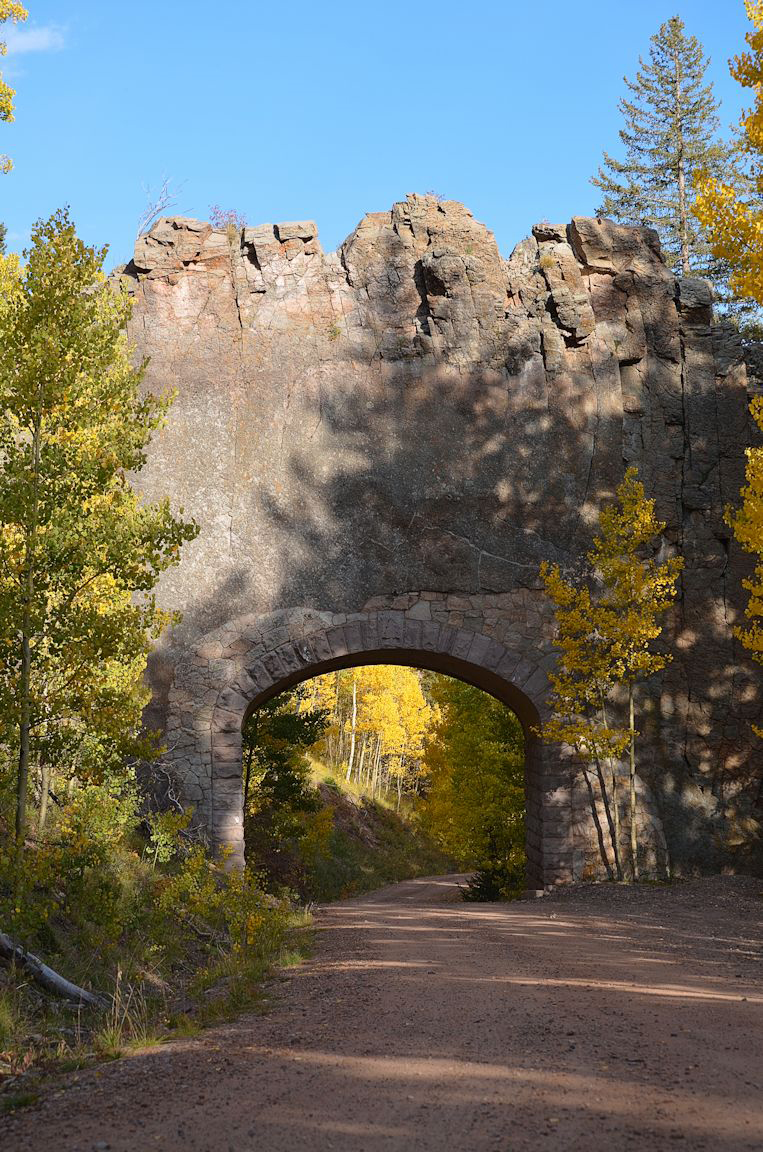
(608, 622)
(9, 10)
(733, 215)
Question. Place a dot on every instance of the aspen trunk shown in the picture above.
(634, 830)
(613, 819)
(25, 685)
(22, 783)
(43, 975)
(360, 762)
(44, 795)
(597, 822)
(352, 731)
(377, 764)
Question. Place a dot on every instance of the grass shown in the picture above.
(13, 1101)
(171, 984)
(41, 1037)
(371, 844)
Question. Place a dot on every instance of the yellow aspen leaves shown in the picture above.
(735, 225)
(607, 623)
(9, 10)
(732, 218)
(747, 524)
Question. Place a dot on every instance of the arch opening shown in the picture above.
(301, 644)
(252, 658)
(442, 756)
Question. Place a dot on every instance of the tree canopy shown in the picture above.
(670, 134)
(9, 10)
(80, 552)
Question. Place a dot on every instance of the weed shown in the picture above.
(15, 1100)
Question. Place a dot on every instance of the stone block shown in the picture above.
(337, 642)
(297, 230)
(391, 625)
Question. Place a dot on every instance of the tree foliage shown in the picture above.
(475, 803)
(670, 133)
(734, 221)
(80, 553)
(378, 720)
(278, 795)
(747, 524)
(733, 218)
(608, 623)
(9, 10)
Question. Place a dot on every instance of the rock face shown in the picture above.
(382, 444)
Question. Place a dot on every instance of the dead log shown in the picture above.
(45, 976)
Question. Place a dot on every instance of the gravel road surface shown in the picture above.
(595, 1018)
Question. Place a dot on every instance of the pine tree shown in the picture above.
(670, 134)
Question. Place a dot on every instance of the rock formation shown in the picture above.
(382, 444)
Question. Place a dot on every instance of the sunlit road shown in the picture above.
(599, 1020)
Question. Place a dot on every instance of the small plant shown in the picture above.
(547, 261)
(333, 332)
(165, 829)
(227, 220)
(127, 1022)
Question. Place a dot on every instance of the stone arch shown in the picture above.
(251, 659)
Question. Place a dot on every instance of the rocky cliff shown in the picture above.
(410, 425)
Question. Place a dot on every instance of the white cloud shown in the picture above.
(43, 38)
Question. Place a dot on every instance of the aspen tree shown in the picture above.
(9, 10)
(79, 552)
(580, 686)
(608, 635)
(734, 221)
(733, 216)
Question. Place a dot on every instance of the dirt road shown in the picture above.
(592, 1019)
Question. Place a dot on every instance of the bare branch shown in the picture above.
(156, 205)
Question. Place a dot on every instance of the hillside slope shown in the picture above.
(364, 844)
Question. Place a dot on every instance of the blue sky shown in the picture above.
(328, 110)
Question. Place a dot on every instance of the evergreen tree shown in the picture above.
(3, 234)
(670, 134)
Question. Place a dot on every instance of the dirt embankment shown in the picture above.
(592, 1019)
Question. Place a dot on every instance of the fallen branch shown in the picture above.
(46, 977)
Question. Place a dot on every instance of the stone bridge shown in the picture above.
(382, 444)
